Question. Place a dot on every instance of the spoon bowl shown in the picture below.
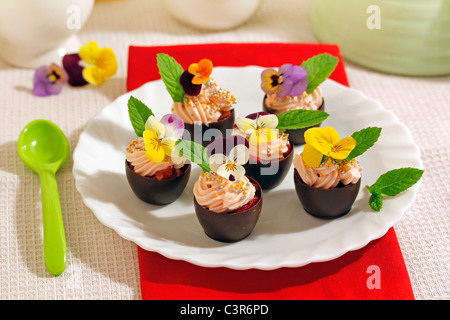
(44, 148)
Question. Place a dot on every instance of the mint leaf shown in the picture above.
(298, 119)
(374, 189)
(194, 152)
(171, 71)
(319, 68)
(365, 139)
(138, 113)
(395, 181)
(392, 183)
(376, 201)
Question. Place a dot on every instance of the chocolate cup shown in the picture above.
(219, 130)
(270, 181)
(156, 191)
(229, 227)
(326, 203)
(297, 136)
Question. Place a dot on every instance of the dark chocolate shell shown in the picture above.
(230, 227)
(203, 134)
(156, 191)
(326, 203)
(261, 171)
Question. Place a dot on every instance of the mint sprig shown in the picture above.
(391, 184)
(365, 139)
(376, 201)
(298, 119)
(319, 68)
(138, 113)
(171, 71)
(194, 152)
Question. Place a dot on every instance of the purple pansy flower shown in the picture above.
(49, 80)
(188, 87)
(288, 80)
(71, 63)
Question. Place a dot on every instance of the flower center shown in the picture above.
(276, 80)
(156, 143)
(231, 166)
(53, 77)
(336, 148)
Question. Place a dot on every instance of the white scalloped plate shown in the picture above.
(285, 235)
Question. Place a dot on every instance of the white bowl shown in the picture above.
(39, 32)
(213, 14)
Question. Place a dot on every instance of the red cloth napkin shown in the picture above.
(376, 271)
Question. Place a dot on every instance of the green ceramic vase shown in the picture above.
(394, 36)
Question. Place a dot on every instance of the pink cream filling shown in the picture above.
(207, 107)
(267, 151)
(328, 174)
(141, 164)
(221, 195)
(311, 101)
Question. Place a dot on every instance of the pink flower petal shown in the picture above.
(174, 126)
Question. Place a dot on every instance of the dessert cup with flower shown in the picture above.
(327, 176)
(270, 149)
(294, 87)
(227, 202)
(155, 171)
(206, 109)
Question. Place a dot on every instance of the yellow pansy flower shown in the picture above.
(325, 141)
(261, 127)
(101, 63)
(262, 135)
(159, 139)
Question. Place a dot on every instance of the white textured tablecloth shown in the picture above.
(102, 265)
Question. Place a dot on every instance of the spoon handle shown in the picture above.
(55, 249)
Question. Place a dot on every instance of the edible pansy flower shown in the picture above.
(100, 63)
(325, 141)
(288, 80)
(71, 63)
(230, 167)
(228, 155)
(188, 87)
(260, 127)
(160, 137)
(201, 71)
(49, 80)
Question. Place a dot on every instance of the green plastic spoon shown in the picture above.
(44, 148)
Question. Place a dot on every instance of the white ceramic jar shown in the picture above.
(407, 37)
(213, 14)
(38, 32)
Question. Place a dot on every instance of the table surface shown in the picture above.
(101, 264)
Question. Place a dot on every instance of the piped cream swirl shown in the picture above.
(329, 173)
(267, 151)
(221, 195)
(141, 164)
(207, 107)
(311, 101)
